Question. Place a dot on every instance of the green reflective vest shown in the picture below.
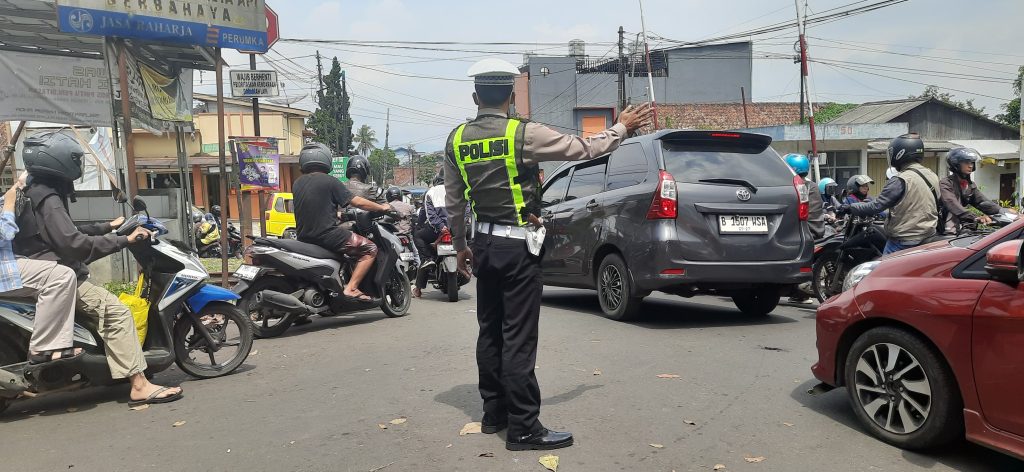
(495, 176)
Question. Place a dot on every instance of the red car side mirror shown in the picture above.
(1003, 262)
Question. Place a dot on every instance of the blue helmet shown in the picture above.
(827, 186)
(800, 164)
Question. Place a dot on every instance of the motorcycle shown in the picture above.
(208, 240)
(289, 280)
(861, 240)
(444, 274)
(191, 324)
(406, 249)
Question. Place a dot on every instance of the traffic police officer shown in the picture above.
(492, 161)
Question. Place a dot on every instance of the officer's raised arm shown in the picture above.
(545, 144)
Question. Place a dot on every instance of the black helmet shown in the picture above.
(393, 193)
(960, 155)
(357, 166)
(853, 185)
(315, 157)
(215, 210)
(53, 154)
(905, 149)
(439, 178)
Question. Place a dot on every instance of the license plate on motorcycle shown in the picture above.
(742, 224)
(445, 249)
(407, 256)
(247, 272)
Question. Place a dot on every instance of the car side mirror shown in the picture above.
(138, 204)
(1003, 262)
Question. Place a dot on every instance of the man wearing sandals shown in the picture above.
(54, 286)
(46, 232)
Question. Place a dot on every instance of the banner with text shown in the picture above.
(240, 24)
(36, 87)
(259, 163)
(170, 98)
(253, 83)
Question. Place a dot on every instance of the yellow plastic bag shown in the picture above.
(140, 309)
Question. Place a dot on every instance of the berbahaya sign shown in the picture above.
(234, 24)
(253, 83)
(71, 90)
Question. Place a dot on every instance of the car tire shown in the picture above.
(758, 301)
(289, 234)
(875, 390)
(615, 290)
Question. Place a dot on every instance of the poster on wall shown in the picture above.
(259, 163)
(170, 98)
(37, 87)
(208, 23)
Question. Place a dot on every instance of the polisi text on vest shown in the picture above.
(483, 149)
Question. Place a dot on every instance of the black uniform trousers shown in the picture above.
(508, 291)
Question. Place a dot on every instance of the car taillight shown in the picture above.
(663, 207)
(804, 210)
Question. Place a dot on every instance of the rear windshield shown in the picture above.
(690, 162)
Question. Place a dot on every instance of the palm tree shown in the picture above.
(366, 137)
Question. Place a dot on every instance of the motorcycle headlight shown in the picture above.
(858, 273)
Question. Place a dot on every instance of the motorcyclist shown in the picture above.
(912, 197)
(857, 188)
(358, 171)
(816, 216)
(960, 192)
(318, 196)
(404, 213)
(827, 187)
(54, 161)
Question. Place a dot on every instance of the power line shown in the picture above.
(919, 83)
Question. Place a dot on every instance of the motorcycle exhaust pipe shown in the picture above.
(282, 302)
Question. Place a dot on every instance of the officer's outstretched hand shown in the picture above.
(635, 117)
(465, 258)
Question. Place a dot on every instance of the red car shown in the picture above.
(929, 343)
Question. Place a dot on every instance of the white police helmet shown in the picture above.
(493, 71)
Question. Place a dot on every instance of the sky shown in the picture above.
(970, 49)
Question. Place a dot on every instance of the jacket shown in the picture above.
(48, 233)
(956, 199)
(914, 214)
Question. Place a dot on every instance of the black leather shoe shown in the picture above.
(541, 440)
(490, 425)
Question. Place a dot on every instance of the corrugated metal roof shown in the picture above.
(877, 112)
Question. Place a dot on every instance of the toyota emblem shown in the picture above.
(743, 194)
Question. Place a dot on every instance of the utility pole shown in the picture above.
(387, 134)
(803, 75)
(650, 72)
(259, 194)
(801, 21)
(622, 72)
(319, 75)
(412, 162)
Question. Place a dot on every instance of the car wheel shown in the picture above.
(902, 391)
(289, 234)
(757, 302)
(614, 290)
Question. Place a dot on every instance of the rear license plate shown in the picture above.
(407, 256)
(742, 224)
(445, 249)
(247, 272)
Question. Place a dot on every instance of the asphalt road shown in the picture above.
(313, 400)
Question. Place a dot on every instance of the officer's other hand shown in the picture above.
(117, 222)
(843, 209)
(465, 257)
(140, 234)
(635, 117)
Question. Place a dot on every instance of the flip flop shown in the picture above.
(362, 298)
(152, 399)
(47, 356)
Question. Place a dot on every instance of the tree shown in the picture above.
(932, 91)
(367, 138)
(830, 111)
(426, 167)
(1012, 108)
(382, 165)
(331, 120)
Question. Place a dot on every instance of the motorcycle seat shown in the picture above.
(299, 247)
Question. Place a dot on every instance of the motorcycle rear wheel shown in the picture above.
(452, 286)
(257, 319)
(397, 295)
(823, 273)
(189, 346)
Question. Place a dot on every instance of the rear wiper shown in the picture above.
(742, 182)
